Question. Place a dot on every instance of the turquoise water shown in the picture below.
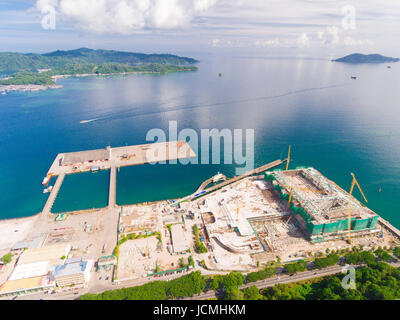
(85, 190)
(160, 182)
(333, 123)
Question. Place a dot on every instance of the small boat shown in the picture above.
(46, 180)
(47, 190)
(94, 169)
(3, 93)
(353, 77)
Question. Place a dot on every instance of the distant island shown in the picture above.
(42, 70)
(366, 58)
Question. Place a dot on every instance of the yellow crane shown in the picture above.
(354, 182)
(288, 159)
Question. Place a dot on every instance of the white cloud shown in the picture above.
(127, 16)
(349, 41)
(329, 36)
(303, 40)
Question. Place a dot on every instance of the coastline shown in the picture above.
(27, 87)
(39, 87)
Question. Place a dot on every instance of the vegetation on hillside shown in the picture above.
(24, 67)
(366, 58)
(14, 62)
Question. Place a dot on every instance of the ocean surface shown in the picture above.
(335, 124)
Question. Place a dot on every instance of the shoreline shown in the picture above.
(40, 87)
(4, 89)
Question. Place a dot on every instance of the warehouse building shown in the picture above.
(28, 244)
(74, 272)
(26, 286)
(53, 254)
(30, 270)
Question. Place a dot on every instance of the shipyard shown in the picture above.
(269, 215)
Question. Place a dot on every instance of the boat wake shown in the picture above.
(142, 112)
(90, 120)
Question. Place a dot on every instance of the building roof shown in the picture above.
(73, 260)
(70, 269)
(24, 284)
(30, 270)
(84, 156)
(50, 253)
(179, 241)
(28, 244)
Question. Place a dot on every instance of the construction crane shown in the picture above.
(288, 159)
(238, 206)
(354, 182)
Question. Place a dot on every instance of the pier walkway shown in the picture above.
(112, 195)
(53, 195)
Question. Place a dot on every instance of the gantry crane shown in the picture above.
(349, 208)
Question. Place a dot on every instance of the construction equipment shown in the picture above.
(354, 182)
(288, 159)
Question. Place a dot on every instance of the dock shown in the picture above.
(83, 161)
(111, 159)
(53, 195)
(112, 195)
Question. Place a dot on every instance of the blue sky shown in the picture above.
(315, 28)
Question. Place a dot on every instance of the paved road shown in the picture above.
(306, 275)
(281, 279)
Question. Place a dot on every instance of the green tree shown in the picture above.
(252, 293)
(7, 258)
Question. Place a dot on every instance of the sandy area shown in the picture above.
(14, 230)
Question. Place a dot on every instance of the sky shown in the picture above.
(309, 28)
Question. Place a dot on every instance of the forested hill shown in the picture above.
(13, 62)
(366, 58)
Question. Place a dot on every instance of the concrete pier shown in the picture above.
(53, 195)
(258, 170)
(112, 195)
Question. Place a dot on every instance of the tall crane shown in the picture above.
(354, 182)
(288, 159)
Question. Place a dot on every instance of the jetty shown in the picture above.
(111, 159)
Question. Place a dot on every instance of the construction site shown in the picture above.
(266, 215)
(285, 215)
